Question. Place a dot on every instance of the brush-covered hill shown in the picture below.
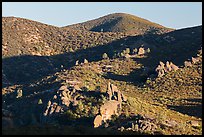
(58, 77)
(121, 22)
(26, 37)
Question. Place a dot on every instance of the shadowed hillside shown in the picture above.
(183, 45)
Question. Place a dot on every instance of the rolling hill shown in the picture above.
(121, 22)
(45, 67)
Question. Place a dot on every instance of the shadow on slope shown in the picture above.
(190, 109)
(176, 46)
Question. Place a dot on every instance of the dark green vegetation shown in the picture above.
(39, 58)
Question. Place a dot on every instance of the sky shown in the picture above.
(175, 15)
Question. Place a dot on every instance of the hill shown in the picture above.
(26, 37)
(62, 78)
(121, 22)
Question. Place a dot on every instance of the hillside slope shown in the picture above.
(58, 78)
(26, 37)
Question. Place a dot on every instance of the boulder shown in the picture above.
(168, 67)
(98, 121)
(63, 88)
(58, 108)
(162, 64)
(162, 68)
(194, 123)
(127, 56)
(170, 123)
(110, 108)
(195, 60)
(77, 87)
(64, 93)
(187, 64)
(141, 51)
(85, 61)
(173, 67)
(77, 62)
(109, 91)
(49, 103)
(55, 97)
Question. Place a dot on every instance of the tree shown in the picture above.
(105, 56)
(71, 50)
(127, 50)
(40, 102)
(148, 50)
(19, 93)
(135, 51)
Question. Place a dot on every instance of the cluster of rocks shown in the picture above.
(114, 94)
(140, 123)
(107, 68)
(112, 106)
(62, 99)
(137, 52)
(85, 62)
(193, 61)
(165, 68)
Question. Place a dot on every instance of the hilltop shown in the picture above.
(121, 22)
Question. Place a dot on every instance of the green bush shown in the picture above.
(105, 56)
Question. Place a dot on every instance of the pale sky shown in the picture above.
(169, 14)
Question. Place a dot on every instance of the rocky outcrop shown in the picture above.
(194, 123)
(111, 107)
(107, 110)
(162, 68)
(195, 60)
(139, 123)
(114, 94)
(61, 100)
(187, 64)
